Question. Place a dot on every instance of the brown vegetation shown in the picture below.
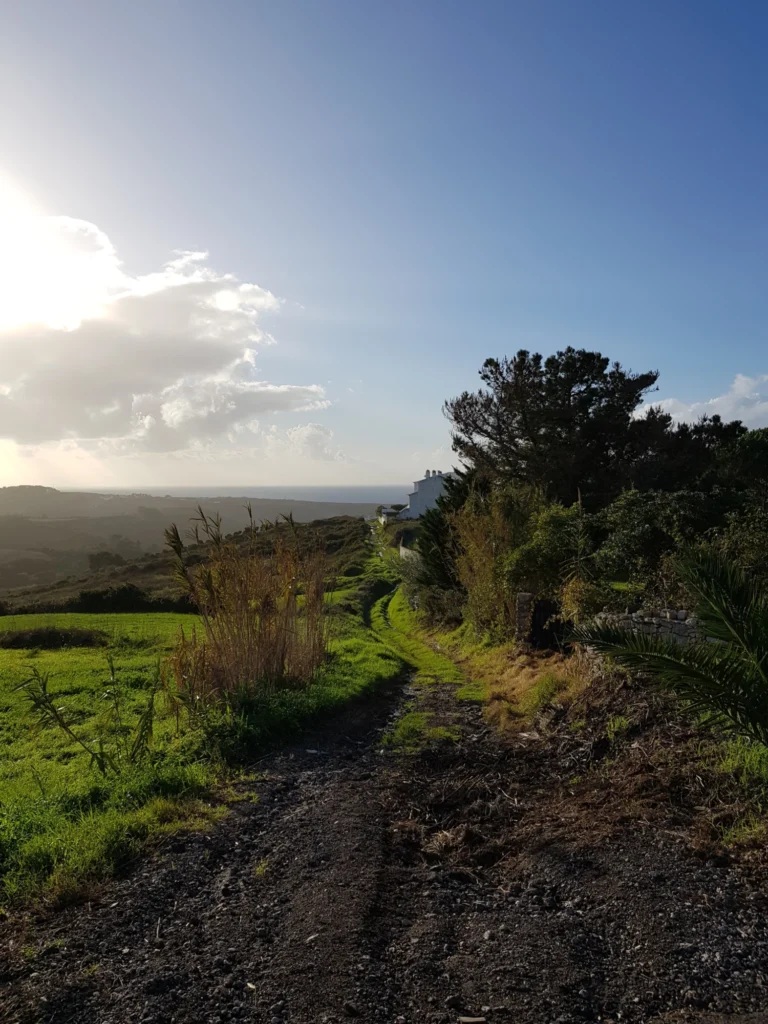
(263, 617)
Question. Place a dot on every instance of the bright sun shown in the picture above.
(55, 271)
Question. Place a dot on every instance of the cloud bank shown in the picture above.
(746, 400)
(164, 362)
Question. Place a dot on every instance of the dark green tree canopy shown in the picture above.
(665, 457)
(568, 425)
(746, 459)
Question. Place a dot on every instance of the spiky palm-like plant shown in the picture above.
(727, 679)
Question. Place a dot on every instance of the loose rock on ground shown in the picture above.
(463, 883)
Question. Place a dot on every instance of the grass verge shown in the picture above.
(62, 823)
(514, 684)
(548, 685)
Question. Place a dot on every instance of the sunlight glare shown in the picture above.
(55, 271)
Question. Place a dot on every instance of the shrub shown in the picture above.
(104, 560)
(557, 563)
(445, 607)
(52, 638)
(263, 618)
(126, 597)
(437, 542)
(581, 599)
(541, 563)
(488, 528)
(745, 539)
(645, 529)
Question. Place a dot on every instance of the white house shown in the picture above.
(424, 494)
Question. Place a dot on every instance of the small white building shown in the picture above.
(424, 494)
(387, 515)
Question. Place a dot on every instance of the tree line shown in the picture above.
(573, 486)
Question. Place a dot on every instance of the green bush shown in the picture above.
(745, 537)
(539, 565)
(642, 529)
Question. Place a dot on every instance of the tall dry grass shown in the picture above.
(264, 625)
(487, 528)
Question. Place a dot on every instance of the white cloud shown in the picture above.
(746, 400)
(116, 363)
(308, 440)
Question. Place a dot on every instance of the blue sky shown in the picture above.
(419, 185)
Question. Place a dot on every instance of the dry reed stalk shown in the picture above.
(259, 633)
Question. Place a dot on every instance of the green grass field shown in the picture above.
(78, 676)
(62, 822)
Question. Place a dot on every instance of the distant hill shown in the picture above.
(46, 534)
(49, 503)
(345, 539)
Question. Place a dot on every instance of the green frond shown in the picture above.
(730, 606)
(715, 677)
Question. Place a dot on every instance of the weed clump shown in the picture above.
(413, 732)
(264, 626)
(543, 692)
(616, 727)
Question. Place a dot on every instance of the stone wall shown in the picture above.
(666, 623)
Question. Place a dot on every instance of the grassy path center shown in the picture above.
(432, 715)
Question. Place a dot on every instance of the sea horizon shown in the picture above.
(377, 494)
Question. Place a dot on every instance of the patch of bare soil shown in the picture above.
(475, 880)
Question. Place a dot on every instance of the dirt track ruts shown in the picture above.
(377, 886)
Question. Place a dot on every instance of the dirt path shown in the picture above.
(457, 882)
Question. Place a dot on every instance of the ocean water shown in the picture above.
(380, 494)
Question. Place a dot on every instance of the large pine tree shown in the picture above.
(568, 424)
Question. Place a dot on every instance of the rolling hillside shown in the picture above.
(47, 535)
(344, 538)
